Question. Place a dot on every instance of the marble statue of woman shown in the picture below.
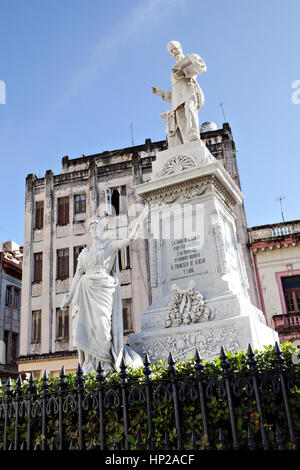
(96, 305)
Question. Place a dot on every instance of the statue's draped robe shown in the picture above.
(97, 309)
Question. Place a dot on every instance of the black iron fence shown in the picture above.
(253, 408)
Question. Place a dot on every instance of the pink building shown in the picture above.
(275, 249)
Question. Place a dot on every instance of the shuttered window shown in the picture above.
(38, 267)
(127, 316)
(39, 214)
(62, 263)
(36, 326)
(62, 324)
(63, 211)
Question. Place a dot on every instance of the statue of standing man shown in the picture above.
(186, 96)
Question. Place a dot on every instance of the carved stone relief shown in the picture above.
(177, 164)
(183, 345)
(186, 307)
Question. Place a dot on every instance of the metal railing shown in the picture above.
(26, 416)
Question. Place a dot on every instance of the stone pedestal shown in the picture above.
(198, 276)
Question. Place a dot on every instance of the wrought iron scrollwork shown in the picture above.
(136, 393)
(215, 387)
(242, 384)
(112, 397)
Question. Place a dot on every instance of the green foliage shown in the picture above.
(245, 408)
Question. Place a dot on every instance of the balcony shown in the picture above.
(287, 326)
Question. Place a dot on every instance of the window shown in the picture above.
(115, 200)
(124, 258)
(291, 290)
(62, 271)
(62, 324)
(79, 203)
(76, 253)
(17, 299)
(39, 214)
(127, 317)
(36, 326)
(13, 297)
(8, 296)
(38, 267)
(63, 211)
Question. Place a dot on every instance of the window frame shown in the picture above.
(38, 267)
(39, 215)
(79, 206)
(62, 265)
(63, 323)
(36, 326)
(63, 211)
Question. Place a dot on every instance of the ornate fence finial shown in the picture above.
(62, 375)
(171, 362)
(225, 364)
(31, 385)
(19, 383)
(279, 358)
(45, 383)
(100, 377)
(147, 369)
(123, 370)
(198, 360)
(79, 376)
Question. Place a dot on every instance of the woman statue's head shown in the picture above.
(95, 227)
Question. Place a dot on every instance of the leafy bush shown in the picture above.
(218, 417)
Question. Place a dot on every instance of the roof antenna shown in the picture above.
(131, 129)
(280, 199)
(221, 104)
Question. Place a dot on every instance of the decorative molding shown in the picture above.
(153, 263)
(222, 265)
(190, 189)
(177, 164)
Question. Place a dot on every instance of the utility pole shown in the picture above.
(280, 199)
(221, 104)
(131, 130)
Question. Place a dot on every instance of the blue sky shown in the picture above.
(77, 73)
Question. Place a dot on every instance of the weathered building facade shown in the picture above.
(57, 210)
(10, 305)
(276, 258)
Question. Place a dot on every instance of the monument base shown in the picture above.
(233, 333)
(198, 275)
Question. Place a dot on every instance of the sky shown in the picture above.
(78, 73)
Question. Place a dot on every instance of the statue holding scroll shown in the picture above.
(186, 96)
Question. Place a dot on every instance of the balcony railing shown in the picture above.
(287, 323)
(274, 231)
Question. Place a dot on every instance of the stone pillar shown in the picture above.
(93, 188)
(26, 316)
(48, 285)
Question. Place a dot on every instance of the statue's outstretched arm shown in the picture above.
(166, 95)
(119, 244)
